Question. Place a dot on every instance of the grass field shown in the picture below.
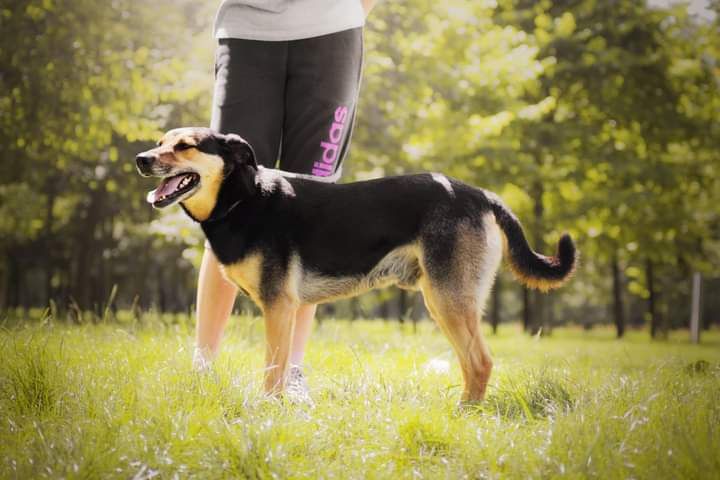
(109, 401)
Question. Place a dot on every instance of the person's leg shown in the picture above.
(323, 81)
(296, 387)
(215, 299)
(303, 328)
(248, 101)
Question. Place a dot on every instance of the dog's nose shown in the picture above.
(144, 161)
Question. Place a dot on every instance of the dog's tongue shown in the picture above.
(167, 186)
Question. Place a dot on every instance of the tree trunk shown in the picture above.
(413, 313)
(537, 314)
(162, 299)
(382, 307)
(652, 300)
(495, 306)
(81, 282)
(618, 304)
(527, 309)
(695, 307)
(331, 310)
(384, 310)
(538, 319)
(145, 296)
(49, 223)
(4, 290)
(85, 276)
(12, 295)
(402, 305)
(354, 308)
(548, 313)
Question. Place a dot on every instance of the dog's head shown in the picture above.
(193, 164)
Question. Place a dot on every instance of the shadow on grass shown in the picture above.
(698, 368)
(247, 455)
(422, 438)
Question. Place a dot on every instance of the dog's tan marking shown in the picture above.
(477, 260)
(247, 274)
(542, 284)
(279, 314)
(210, 168)
(190, 141)
(294, 278)
(317, 288)
(399, 266)
(279, 330)
(493, 256)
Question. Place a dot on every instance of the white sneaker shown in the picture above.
(296, 389)
(202, 361)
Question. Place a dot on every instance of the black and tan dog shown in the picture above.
(289, 239)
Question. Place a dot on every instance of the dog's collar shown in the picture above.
(213, 218)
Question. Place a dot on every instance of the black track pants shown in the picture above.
(294, 101)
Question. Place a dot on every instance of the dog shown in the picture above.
(288, 239)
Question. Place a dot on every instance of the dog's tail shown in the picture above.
(531, 268)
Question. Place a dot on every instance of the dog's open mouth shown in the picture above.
(171, 189)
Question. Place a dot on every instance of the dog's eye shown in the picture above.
(183, 146)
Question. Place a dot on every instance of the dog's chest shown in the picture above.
(246, 274)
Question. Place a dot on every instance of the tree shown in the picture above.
(82, 83)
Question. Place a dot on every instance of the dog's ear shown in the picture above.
(239, 173)
(238, 150)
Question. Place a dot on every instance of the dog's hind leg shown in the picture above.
(460, 322)
(456, 288)
(279, 329)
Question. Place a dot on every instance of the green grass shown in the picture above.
(110, 401)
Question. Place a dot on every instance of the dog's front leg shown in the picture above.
(279, 328)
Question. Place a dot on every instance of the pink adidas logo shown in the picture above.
(326, 165)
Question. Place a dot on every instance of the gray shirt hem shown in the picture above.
(284, 20)
(279, 36)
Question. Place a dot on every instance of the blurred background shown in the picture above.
(597, 117)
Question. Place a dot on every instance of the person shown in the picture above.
(287, 77)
